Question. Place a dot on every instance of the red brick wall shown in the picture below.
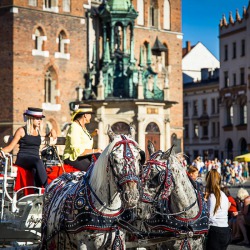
(22, 74)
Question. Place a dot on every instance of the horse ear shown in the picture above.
(132, 131)
(167, 154)
(110, 133)
(151, 148)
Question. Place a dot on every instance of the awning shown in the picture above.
(245, 157)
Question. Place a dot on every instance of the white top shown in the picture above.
(220, 218)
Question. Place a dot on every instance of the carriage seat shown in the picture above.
(24, 178)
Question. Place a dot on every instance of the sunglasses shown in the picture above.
(38, 118)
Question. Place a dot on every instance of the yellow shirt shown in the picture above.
(77, 140)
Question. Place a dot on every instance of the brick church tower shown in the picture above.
(43, 59)
(123, 57)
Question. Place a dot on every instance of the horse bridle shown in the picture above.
(128, 178)
(166, 181)
(128, 156)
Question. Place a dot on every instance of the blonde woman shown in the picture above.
(29, 139)
(79, 141)
(219, 233)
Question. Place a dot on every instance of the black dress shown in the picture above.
(28, 157)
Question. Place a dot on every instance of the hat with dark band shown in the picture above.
(82, 109)
(34, 112)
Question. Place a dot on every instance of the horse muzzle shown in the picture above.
(130, 195)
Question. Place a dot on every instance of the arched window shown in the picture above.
(166, 15)
(121, 128)
(39, 39)
(153, 13)
(50, 86)
(140, 9)
(62, 46)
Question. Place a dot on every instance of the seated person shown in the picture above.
(29, 139)
(79, 142)
(243, 216)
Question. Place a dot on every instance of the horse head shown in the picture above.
(157, 175)
(123, 167)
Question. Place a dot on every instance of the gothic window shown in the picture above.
(140, 9)
(166, 10)
(39, 39)
(50, 86)
(62, 46)
(62, 42)
(32, 2)
(66, 5)
(153, 12)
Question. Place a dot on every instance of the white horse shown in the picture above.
(82, 211)
(173, 211)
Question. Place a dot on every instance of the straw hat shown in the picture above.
(34, 112)
(82, 109)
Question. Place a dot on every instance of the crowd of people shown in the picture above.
(229, 217)
(232, 172)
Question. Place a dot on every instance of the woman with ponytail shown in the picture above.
(219, 233)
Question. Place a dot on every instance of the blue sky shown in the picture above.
(201, 18)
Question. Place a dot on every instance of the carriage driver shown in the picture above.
(79, 141)
(29, 139)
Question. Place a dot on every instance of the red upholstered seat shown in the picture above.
(24, 178)
(55, 171)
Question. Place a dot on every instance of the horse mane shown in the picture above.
(99, 172)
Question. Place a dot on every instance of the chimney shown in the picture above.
(188, 46)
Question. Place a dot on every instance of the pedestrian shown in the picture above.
(243, 216)
(79, 141)
(29, 139)
(219, 233)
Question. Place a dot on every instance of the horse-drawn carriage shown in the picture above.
(118, 203)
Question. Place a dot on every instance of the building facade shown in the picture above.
(234, 35)
(122, 57)
(201, 119)
(201, 102)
